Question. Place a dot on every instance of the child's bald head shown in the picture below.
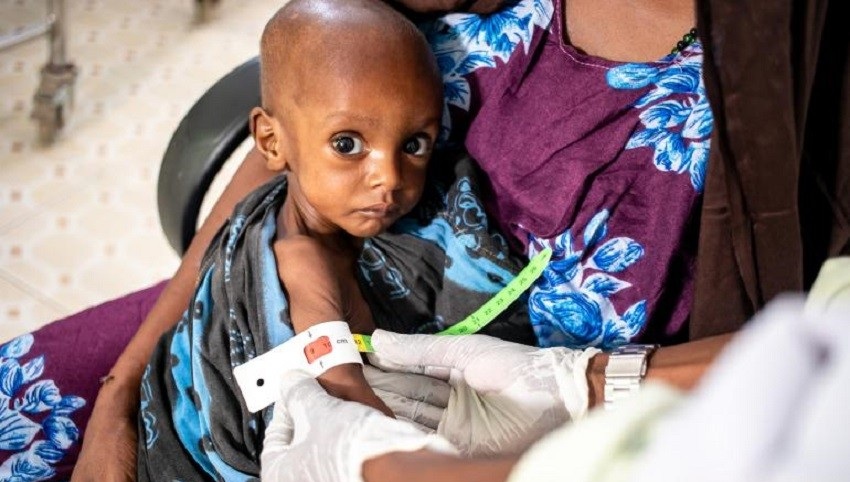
(309, 44)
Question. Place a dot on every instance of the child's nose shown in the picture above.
(385, 171)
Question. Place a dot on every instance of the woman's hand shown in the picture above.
(314, 436)
(109, 446)
(504, 396)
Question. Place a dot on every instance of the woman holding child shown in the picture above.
(655, 148)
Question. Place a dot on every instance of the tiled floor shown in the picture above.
(78, 220)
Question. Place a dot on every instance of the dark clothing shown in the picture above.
(777, 197)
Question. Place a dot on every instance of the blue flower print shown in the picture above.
(41, 408)
(675, 117)
(570, 305)
(465, 42)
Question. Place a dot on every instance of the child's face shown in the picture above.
(357, 148)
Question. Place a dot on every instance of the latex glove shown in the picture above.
(504, 396)
(416, 398)
(314, 436)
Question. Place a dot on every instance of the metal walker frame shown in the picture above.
(54, 97)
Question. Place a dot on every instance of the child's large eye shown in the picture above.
(417, 145)
(347, 144)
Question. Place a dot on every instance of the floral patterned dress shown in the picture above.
(601, 161)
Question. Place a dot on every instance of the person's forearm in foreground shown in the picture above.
(428, 466)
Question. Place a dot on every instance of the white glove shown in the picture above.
(416, 398)
(504, 396)
(314, 436)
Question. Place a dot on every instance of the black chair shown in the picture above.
(213, 128)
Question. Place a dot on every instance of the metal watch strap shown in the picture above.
(625, 371)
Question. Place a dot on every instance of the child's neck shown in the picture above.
(292, 221)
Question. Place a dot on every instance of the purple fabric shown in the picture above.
(600, 160)
(78, 351)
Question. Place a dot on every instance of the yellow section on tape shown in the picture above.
(364, 343)
(489, 310)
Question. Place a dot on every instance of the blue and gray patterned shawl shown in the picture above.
(437, 265)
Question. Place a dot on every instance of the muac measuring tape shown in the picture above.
(489, 310)
(329, 344)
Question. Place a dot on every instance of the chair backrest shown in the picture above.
(208, 134)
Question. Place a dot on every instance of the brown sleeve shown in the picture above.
(829, 131)
(777, 192)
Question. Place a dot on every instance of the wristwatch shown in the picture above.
(625, 371)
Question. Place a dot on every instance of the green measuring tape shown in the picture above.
(489, 310)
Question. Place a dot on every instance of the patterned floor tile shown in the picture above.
(22, 311)
(78, 219)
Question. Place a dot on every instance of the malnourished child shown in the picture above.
(352, 102)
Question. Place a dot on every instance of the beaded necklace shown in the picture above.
(687, 40)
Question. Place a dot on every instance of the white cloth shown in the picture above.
(831, 291)
(601, 447)
(772, 408)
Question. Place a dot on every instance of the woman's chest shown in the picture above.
(558, 134)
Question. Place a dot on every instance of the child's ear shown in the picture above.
(267, 138)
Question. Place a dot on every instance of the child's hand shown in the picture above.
(348, 383)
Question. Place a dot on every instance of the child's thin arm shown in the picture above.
(312, 282)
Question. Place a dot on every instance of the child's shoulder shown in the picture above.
(313, 279)
(299, 252)
(302, 259)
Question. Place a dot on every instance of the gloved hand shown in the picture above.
(504, 396)
(314, 436)
(416, 398)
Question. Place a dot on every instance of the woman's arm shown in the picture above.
(681, 366)
(112, 426)
(175, 297)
